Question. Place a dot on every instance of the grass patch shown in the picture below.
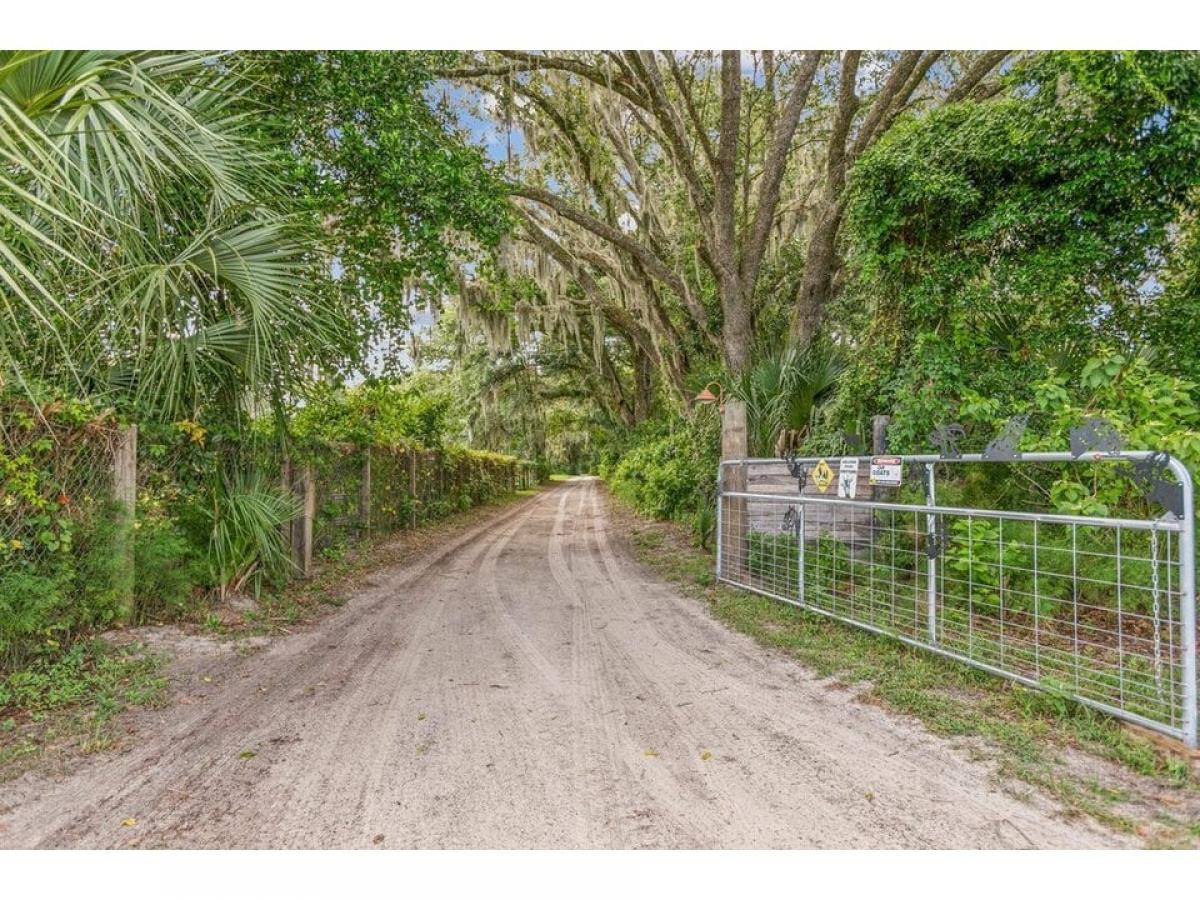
(72, 702)
(1029, 734)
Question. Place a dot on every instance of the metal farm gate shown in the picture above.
(1100, 609)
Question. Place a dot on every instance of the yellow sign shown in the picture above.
(822, 476)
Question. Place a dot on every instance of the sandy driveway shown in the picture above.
(527, 685)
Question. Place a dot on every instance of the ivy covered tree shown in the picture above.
(994, 242)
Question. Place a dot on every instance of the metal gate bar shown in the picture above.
(1098, 608)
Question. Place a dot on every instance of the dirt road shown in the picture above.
(528, 685)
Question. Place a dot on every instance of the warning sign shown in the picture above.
(847, 478)
(886, 470)
(822, 476)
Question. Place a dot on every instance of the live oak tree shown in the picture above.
(666, 184)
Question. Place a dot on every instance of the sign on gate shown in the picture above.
(822, 476)
(848, 478)
(886, 471)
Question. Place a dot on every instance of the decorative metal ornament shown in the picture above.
(946, 438)
(854, 443)
(1094, 435)
(937, 540)
(1153, 475)
(796, 469)
(1003, 447)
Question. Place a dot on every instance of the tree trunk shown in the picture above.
(643, 376)
(816, 288)
(734, 443)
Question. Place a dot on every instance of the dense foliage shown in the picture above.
(669, 471)
(995, 245)
(1028, 251)
(207, 245)
(378, 159)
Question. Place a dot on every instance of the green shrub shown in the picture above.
(672, 475)
(247, 516)
(169, 571)
(28, 604)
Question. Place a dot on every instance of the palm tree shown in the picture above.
(145, 244)
(783, 389)
(147, 253)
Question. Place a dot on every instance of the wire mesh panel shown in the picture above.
(390, 502)
(1097, 608)
(58, 574)
(339, 510)
(56, 484)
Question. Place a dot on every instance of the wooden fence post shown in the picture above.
(287, 529)
(879, 427)
(125, 497)
(412, 487)
(364, 493)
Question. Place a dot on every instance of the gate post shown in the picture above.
(1187, 601)
(931, 566)
(720, 503)
(800, 562)
(734, 518)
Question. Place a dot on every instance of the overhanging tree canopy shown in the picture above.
(673, 186)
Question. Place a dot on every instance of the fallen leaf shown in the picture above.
(128, 823)
(378, 839)
(420, 717)
(247, 754)
(206, 680)
(706, 755)
(652, 752)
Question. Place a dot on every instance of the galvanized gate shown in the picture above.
(1098, 608)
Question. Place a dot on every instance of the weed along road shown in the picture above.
(527, 684)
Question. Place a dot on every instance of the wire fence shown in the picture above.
(1097, 608)
(360, 490)
(56, 529)
(54, 482)
(81, 498)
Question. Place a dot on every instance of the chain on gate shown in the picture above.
(1156, 611)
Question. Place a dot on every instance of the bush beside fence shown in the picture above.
(96, 530)
(348, 492)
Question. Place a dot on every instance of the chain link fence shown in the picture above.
(80, 497)
(57, 525)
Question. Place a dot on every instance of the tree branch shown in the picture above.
(847, 106)
(618, 238)
(520, 61)
(979, 70)
(644, 64)
(897, 78)
(774, 168)
(694, 114)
